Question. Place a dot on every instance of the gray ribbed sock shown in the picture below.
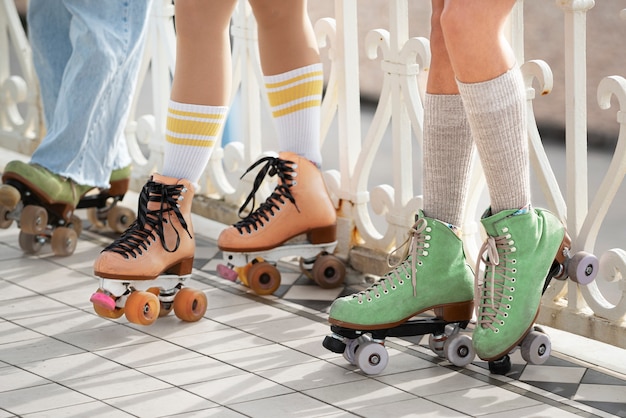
(448, 150)
(496, 111)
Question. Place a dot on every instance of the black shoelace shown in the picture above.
(141, 232)
(274, 166)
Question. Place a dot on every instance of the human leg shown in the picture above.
(522, 241)
(433, 273)
(294, 82)
(196, 114)
(90, 111)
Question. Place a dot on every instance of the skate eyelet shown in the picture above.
(510, 298)
(386, 292)
(425, 253)
(370, 299)
(377, 296)
(505, 229)
(428, 229)
(427, 237)
(420, 263)
(508, 307)
(513, 271)
(401, 282)
(360, 302)
(501, 323)
(497, 330)
(513, 249)
(393, 287)
(427, 245)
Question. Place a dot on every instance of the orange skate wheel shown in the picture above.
(94, 219)
(33, 219)
(63, 241)
(142, 308)
(119, 218)
(164, 307)
(30, 243)
(5, 222)
(263, 278)
(107, 313)
(190, 304)
(328, 271)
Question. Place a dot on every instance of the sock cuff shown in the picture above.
(316, 70)
(196, 108)
(493, 95)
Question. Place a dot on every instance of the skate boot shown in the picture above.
(43, 204)
(521, 248)
(142, 273)
(298, 207)
(434, 275)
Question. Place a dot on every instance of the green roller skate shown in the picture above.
(520, 253)
(43, 204)
(433, 276)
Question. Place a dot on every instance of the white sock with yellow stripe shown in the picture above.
(190, 134)
(295, 98)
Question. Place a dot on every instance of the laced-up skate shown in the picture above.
(297, 219)
(433, 275)
(524, 250)
(43, 204)
(142, 273)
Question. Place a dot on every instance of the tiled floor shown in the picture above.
(251, 356)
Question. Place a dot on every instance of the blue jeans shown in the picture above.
(87, 55)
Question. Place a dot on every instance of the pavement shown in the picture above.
(251, 356)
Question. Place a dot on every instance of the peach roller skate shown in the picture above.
(43, 205)
(297, 219)
(143, 273)
(524, 251)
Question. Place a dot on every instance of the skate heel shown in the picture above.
(566, 244)
(322, 235)
(455, 312)
(119, 187)
(182, 268)
(581, 267)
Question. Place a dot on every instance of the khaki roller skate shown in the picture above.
(433, 276)
(524, 250)
(142, 274)
(43, 204)
(297, 219)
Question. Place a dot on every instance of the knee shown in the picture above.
(456, 22)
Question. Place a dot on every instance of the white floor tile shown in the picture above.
(359, 394)
(220, 341)
(286, 329)
(290, 405)
(237, 389)
(193, 370)
(146, 354)
(74, 366)
(266, 357)
(161, 403)
(431, 381)
(42, 348)
(601, 393)
(41, 398)
(105, 386)
(534, 411)
(416, 407)
(545, 373)
(12, 378)
(10, 332)
(92, 410)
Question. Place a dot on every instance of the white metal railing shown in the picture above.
(403, 60)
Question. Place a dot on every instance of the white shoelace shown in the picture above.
(417, 246)
(499, 278)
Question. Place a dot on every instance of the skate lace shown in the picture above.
(499, 280)
(149, 223)
(416, 246)
(274, 166)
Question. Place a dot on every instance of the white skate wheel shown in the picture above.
(459, 350)
(536, 348)
(583, 267)
(372, 358)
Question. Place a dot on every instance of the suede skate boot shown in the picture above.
(298, 205)
(520, 249)
(160, 241)
(58, 193)
(433, 275)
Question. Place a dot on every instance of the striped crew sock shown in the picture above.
(191, 132)
(295, 98)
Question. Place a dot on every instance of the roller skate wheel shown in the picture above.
(9, 196)
(34, 219)
(5, 221)
(436, 344)
(227, 273)
(142, 308)
(190, 304)
(93, 216)
(536, 347)
(63, 241)
(583, 267)
(372, 358)
(102, 300)
(328, 271)
(164, 307)
(350, 352)
(30, 243)
(120, 218)
(263, 278)
(459, 350)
